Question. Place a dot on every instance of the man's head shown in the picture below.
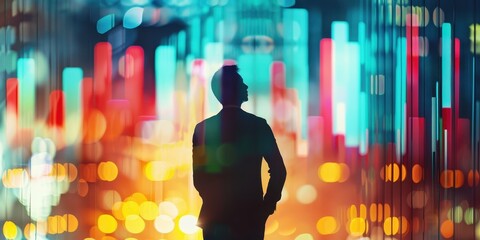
(228, 86)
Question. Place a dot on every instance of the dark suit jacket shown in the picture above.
(227, 156)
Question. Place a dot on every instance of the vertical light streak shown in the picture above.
(198, 91)
(457, 78)
(352, 131)
(446, 65)
(434, 124)
(362, 40)
(326, 77)
(102, 74)
(418, 141)
(277, 82)
(208, 34)
(296, 58)
(316, 138)
(255, 73)
(340, 110)
(445, 149)
(447, 121)
(437, 116)
(87, 94)
(195, 29)
(12, 96)
(56, 115)
(72, 85)
(474, 114)
(340, 70)
(11, 110)
(134, 69)
(214, 60)
(477, 134)
(363, 123)
(182, 42)
(400, 94)
(165, 68)
(26, 92)
(412, 65)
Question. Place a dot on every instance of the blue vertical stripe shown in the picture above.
(446, 65)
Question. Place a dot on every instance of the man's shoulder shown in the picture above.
(254, 117)
(207, 121)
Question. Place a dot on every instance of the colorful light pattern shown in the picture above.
(374, 104)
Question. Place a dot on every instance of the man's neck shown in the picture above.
(231, 106)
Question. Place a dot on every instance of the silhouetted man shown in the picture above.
(227, 157)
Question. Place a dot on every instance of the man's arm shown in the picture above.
(277, 170)
(199, 157)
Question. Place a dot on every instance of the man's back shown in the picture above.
(228, 175)
(227, 158)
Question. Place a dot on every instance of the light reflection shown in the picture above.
(188, 224)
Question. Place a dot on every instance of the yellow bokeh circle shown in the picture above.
(159, 171)
(168, 208)
(72, 222)
(304, 236)
(107, 171)
(134, 224)
(357, 226)
(56, 224)
(391, 226)
(29, 230)
(188, 224)
(164, 224)
(327, 225)
(137, 197)
(10, 230)
(149, 210)
(330, 172)
(130, 208)
(107, 223)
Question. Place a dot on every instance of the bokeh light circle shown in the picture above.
(357, 226)
(107, 171)
(130, 208)
(188, 224)
(327, 225)
(306, 194)
(304, 236)
(134, 224)
(109, 198)
(72, 222)
(10, 230)
(164, 224)
(446, 229)
(330, 172)
(106, 223)
(391, 225)
(148, 210)
(29, 230)
(159, 171)
(95, 128)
